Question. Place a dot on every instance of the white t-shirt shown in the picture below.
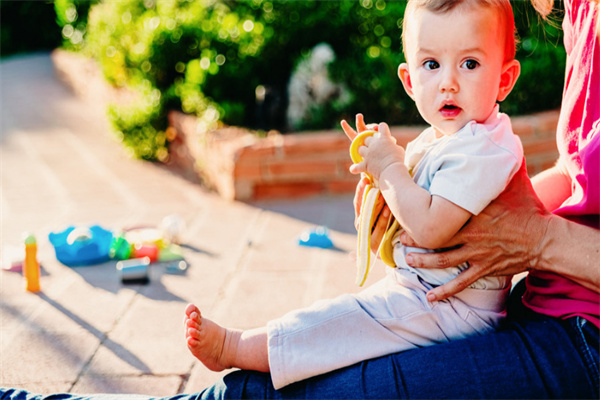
(469, 168)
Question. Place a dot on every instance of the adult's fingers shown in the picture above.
(348, 130)
(456, 285)
(381, 224)
(445, 259)
(360, 123)
(358, 197)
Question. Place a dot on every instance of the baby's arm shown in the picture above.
(430, 220)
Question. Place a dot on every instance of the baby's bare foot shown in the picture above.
(206, 340)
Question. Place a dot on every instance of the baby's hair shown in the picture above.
(502, 7)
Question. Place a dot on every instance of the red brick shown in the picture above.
(297, 168)
(316, 143)
(523, 126)
(255, 151)
(532, 170)
(404, 135)
(345, 165)
(342, 186)
(250, 170)
(287, 190)
(548, 163)
(540, 147)
(540, 162)
(547, 121)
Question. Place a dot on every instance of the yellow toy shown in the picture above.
(31, 267)
(367, 219)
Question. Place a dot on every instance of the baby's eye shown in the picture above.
(470, 64)
(431, 64)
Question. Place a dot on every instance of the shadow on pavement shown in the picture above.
(117, 349)
(334, 212)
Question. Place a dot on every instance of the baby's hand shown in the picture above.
(378, 152)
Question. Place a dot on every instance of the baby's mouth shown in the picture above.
(449, 107)
(450, 110)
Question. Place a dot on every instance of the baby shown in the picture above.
(459, 63)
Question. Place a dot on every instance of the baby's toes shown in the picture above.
(192, 342)
(193, 333)
(193, 323)
(190, 309)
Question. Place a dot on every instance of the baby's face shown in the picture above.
(455, 61)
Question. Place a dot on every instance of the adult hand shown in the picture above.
(382, 210)
(504, 239)
(360, 127)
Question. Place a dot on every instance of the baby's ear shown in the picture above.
(404, 76)
(510, 73)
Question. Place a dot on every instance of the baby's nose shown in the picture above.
(448, 82)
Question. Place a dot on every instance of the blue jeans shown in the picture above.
(532, 358)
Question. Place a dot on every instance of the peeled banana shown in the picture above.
(367, 218)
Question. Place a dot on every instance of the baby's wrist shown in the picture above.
(394, 169)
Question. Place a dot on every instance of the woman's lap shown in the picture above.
(540, 358)
(537, 357)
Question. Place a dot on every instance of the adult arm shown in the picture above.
(516, 233)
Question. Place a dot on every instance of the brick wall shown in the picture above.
(241, 166)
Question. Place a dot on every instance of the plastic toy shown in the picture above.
(171, 252)
(120, 248)
(317, 237)
(146, 242)
(31, 267)
(77, 246)
(145, 235)
(134, 271)
(141, 250)
(177, 266)
(79, 234)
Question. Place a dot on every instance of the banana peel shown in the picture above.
(367, 219)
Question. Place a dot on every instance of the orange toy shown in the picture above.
(31, 267)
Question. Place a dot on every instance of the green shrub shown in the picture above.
(208, 57)
(71, 16)
(166, 51)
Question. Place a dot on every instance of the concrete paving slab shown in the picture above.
(148, 339)
(36, 356)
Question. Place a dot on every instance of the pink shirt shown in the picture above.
(578, 139)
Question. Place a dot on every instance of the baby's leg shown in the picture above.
(219, 348)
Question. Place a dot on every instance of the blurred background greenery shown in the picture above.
(262, 64)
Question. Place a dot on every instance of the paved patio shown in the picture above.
(86, 331)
